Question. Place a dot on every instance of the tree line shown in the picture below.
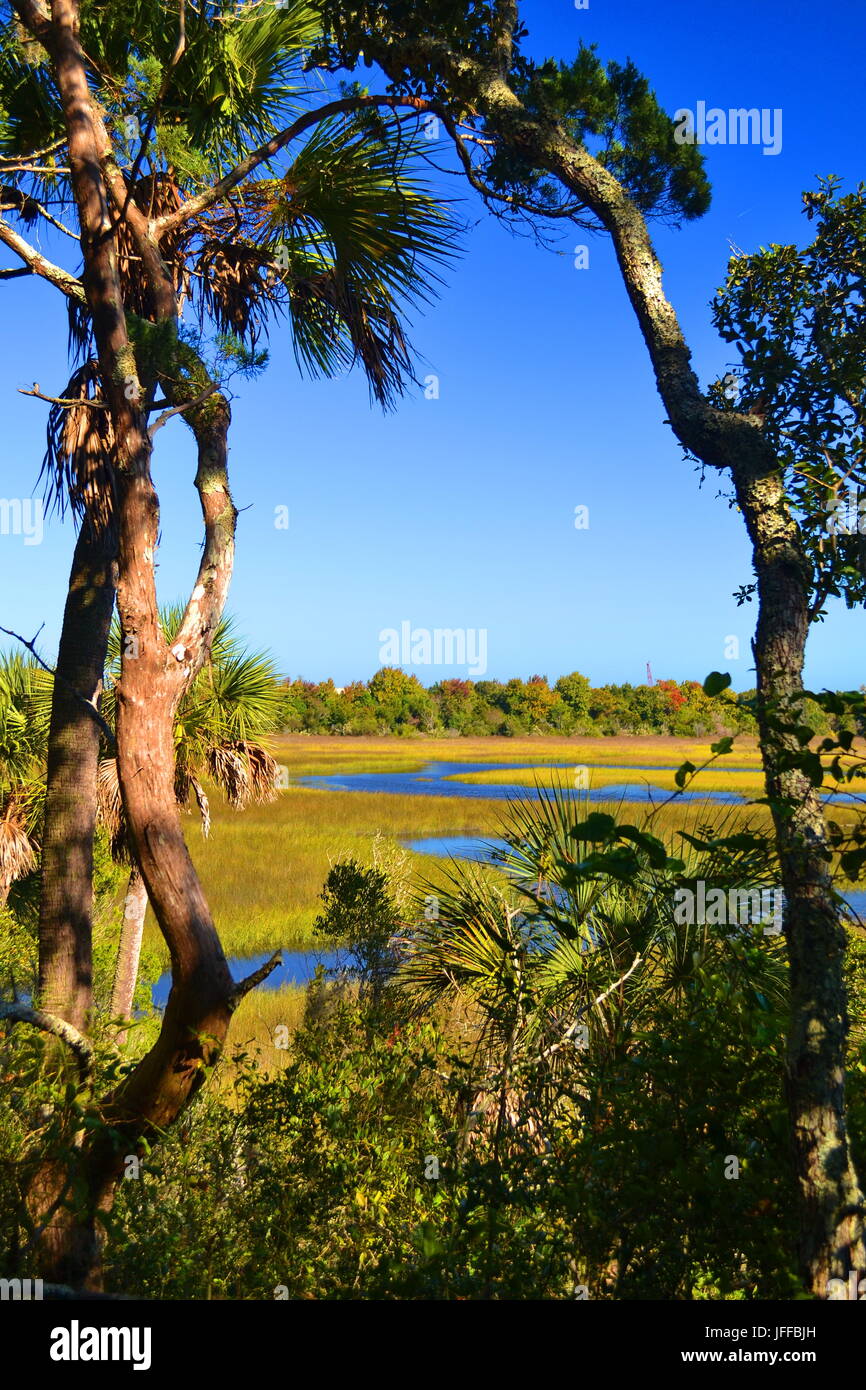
(394, 702)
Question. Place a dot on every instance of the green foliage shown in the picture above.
(394, 702)
(614, 113)
(473, 1148)
(360, 915)
(797, 317)
(610, 110)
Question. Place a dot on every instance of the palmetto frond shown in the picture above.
(360, 239)
(77, 465)
(25, 712)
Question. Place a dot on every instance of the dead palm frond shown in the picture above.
(17, 851)
(244, 771)
(77, 467)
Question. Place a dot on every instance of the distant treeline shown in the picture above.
(393, 702)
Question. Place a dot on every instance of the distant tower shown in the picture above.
(649, 675)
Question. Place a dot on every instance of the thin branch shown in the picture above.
(67, 685)
(179, 409)
(489, 194)
(252, 981)
(205, 200)
(567, 1036)
(7, 159)
(58, 1027)
(60, 400)
(34, 169)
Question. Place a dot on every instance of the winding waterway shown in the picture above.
(298, 967)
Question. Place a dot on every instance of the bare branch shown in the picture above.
(91, 708)
(255, 979)
(61, 279)
(58, 1027)
(179, 409)
(59, 400)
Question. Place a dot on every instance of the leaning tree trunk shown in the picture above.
(152, 681)
(66, 904)
(129, 951)
(831, 1236)
(831, 1201)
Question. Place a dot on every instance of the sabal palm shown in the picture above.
(563, 969)
(25, 703)
(227, 713)
(336, 233)
(341, 239)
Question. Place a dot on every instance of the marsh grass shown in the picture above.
(716, 778)
(313, 756)
(254, 1027)
(263, 868)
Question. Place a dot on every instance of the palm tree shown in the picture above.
(338, 241)
(25, 694)
(232, 705)
(184, 168)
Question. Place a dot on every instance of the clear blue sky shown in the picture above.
(459, 512)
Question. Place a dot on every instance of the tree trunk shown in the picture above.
(831, 1232)
(152, 681)
(129, 950)
(65, 909)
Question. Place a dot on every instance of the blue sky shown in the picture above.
(458, 512)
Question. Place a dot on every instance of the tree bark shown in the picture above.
(66, 904)
(831, 1232)
(129, 950)
(152, 681)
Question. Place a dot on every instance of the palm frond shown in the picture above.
(77, 467)
(17, 852)
(109, 808)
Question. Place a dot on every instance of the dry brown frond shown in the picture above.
(17, 852)
(244, 771)
(232, 285)
(109, 809)
(77, 464)
(157, 196)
